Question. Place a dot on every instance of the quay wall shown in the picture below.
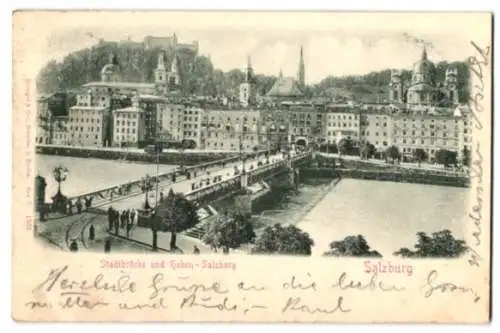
(171, 157)
(417, 177)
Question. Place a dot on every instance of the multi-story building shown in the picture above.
(171, 121)
(60, 132)
(375, 127)
(307, 124)
(275, 128)
(431, 131)
(342, 121)
(44, 128)
(231, 130)
(87, 125)
(191, 134)
(129, 124)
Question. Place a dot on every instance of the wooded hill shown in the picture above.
(199, 76)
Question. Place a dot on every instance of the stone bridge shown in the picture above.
(226, 179)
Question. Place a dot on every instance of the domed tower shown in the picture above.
(423, 82)
(451, 84)
(161, 73)
(396, 87)
(111, 71)
(247, 87)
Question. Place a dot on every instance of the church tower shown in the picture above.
(161, 73)
(247, 87)
(174, 78)
(301, 74)
(396, 88)
(451, 85)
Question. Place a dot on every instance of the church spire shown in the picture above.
(301, 72)
(424, 53)
(249, 70)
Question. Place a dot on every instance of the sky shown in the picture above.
(334, 44)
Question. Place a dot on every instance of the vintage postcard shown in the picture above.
(252, 166)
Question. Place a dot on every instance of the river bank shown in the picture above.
(410, 176)
(169, 157)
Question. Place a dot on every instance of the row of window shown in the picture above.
(427, 142)
(342, 125)
(81, 129)
(125, 130)
(221, 144)
(129, 123)
(85, 120)
(343, 117)
(126, 115)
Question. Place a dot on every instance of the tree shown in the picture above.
(229, 231)
(174, 214)
(345, 146)
(446, 157)
(283, 240)
(419, 155)
(392, 153)
(367, 150)
(351, 246)
(441, 244)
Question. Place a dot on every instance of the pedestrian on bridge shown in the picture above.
(91, 232)
(73, 247)
(116, 222)
(107, 245)
(79, 205)
(70, 207)
(129, 228)
(111, 216)
(161, 196)
(123, 219)
(87, 202)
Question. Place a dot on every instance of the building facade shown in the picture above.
(342, 121)
(231, 130)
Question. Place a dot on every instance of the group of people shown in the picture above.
(126, 219)
(79, 205)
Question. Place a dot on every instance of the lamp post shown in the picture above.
(145, 182)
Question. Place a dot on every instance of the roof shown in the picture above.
(95, 108)
(152, 98)
(137, 85)
(285, 87)
(129, 109)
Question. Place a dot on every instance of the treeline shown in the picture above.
(198, 75)
(137, 64)
(377, 82)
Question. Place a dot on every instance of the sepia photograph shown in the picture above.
(152, 140)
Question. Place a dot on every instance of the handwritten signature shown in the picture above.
(431, 286)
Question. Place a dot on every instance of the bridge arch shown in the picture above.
(301, 141)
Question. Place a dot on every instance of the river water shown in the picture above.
(88, 175)
(388, 214)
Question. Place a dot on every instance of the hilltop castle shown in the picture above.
(170, 43)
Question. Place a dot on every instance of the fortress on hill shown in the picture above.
(170, 43)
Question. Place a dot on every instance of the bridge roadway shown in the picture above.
(226, 174)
